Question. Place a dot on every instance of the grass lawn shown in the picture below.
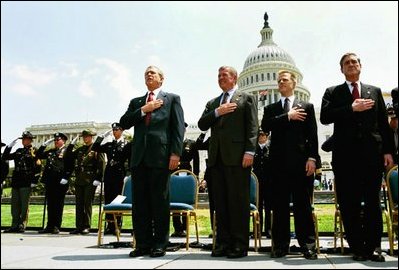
(325, 214)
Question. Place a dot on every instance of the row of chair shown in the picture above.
(183, 198)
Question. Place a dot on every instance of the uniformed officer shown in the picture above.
(4, 169)
(117, 152)
(25, 176)
(55, 177)
(190, 153)
(89, 167)
(260, 168)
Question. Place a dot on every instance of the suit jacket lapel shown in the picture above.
(365, 91)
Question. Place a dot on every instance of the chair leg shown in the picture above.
(389, 231)
(187, 230)
(196, 225)
(117, 230)
(214, 231)
(316, 228)
(100, 223)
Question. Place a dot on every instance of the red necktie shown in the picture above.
(148, 115)
(355, 91)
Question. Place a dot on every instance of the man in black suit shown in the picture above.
(362, 146)
(158, 123)
(232, 118)
(292, 156)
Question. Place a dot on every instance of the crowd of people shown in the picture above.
(282, 152)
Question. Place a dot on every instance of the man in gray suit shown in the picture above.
(232, 118)
(158, 123)
(361, 147)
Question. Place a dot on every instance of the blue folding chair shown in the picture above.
(183, 191)
(117, 210)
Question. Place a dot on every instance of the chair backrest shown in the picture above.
(183, 187)
(392, 184)
(128, 191)
(253, 190)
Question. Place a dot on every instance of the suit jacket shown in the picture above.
(292, 142)
(232, 134)
(153, 144)
(369, 126)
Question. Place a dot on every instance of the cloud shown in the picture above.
(25, 80)
(23, 89)
(70, 70)
(120, 79)
(85, 89)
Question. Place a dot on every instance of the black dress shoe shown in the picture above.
(377, 257)
(278, 253)
(310, 254)
(55, 230)
(359, 258)
(46, 230)
(219, 252)
(178, 234)
(76, 231)
(237, 253)
(11, 230)
(137, 252)
(109, 231)
(85, 231)
(157, 252)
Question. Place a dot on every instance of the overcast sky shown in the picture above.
(67, 62)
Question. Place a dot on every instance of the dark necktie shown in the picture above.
(286, 105)
(355, 91)
(225, 97)
(148, 115)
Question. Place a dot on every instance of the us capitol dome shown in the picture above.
(261, 69)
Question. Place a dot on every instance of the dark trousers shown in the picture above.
(113, 184)
(295, 188)
(211, 201)
(231, 189)
(84, 204)
(55, 193)
(360, 182)
(179, 223)
(151, 206)
(20, 206)
(265, 204)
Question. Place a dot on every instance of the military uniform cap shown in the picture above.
(116, 125)
(27, 134)
(60, 135)
(88, 132)
(3, 144)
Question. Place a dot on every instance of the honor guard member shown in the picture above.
(261, 169)
(56, 172)
(25, 176)
(89, 167)
(4, 169)
(190, 153)
(117, 152)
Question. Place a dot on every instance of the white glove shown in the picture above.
(11, 145)
(96, 183)
(33, 185)
(316, 183)
(107, 133)
(125, 179)
(63, 181)
(48, 142)
(74, 140)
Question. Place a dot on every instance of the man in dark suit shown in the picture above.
(232, 118)
(362, 146)
(158, 123)
(292, 156)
